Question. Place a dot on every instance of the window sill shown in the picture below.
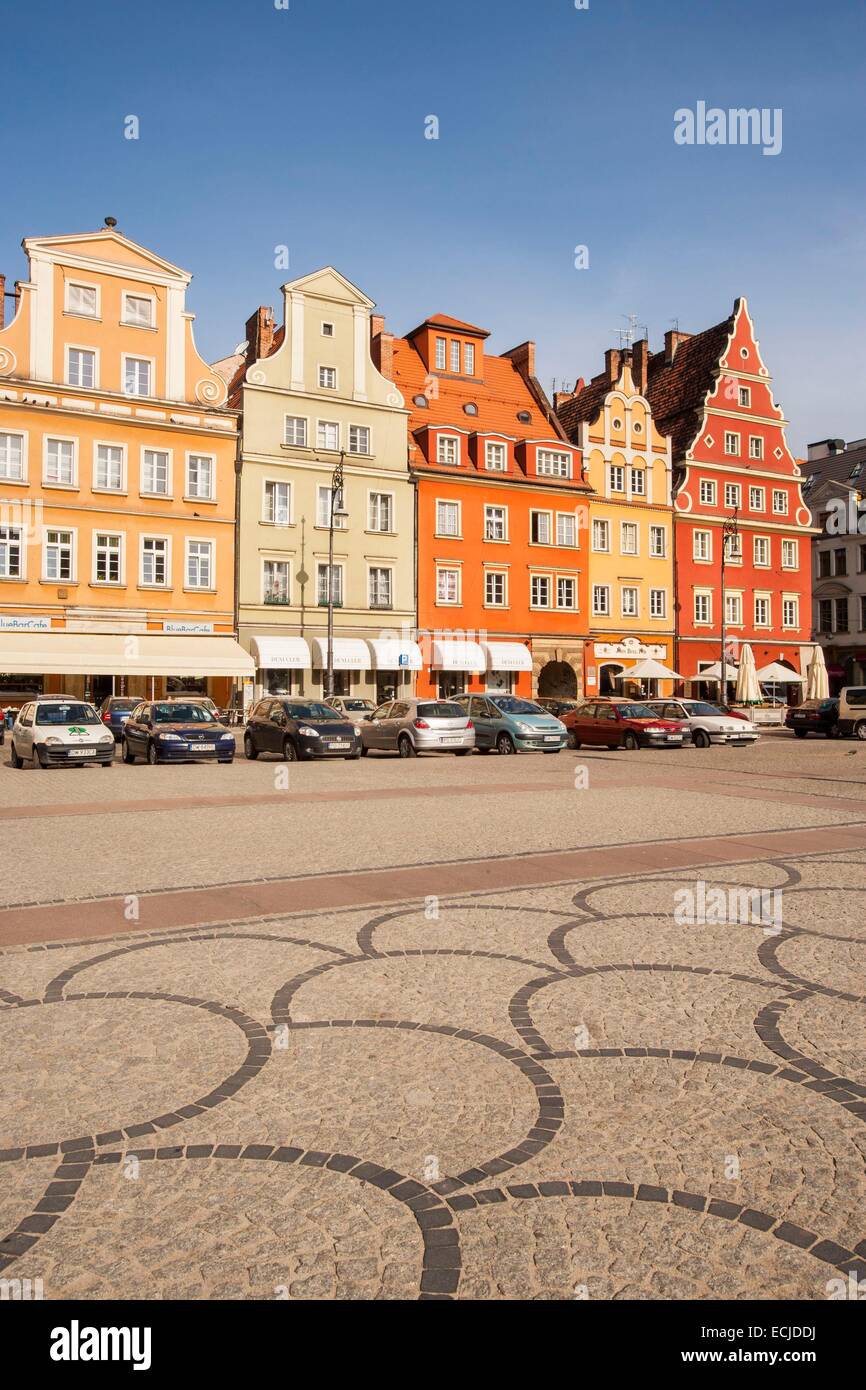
(142, 327)
(369, 532)
(157, 588)
(496, 540)
(106, 584)
(197, 590)
(158, 496)
(279, 525)
(13, 579)
(440, 603)
(206, 501)
(60, 583)
(447, 536)
(61, 487)
(110, 491)
(14, 482)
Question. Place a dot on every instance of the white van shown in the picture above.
(852, 711)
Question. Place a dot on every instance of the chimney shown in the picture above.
(672, 342)
(640, 365)
(825, 448)
(612, 363)
(381, 346)
(561, 398)
(523, 358)
(260, 333)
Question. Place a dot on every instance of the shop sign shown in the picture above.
(10, 623)
(631, 647)
(184, 629)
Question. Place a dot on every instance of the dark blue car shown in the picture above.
(176, 731)
(115, 711)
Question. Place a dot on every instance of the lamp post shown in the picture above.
(335, 511)
(729, 531)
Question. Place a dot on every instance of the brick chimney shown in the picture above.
(672, 342)
(612, 364)
(260, 333)
(640, 364)
(523, 358)
(381, 346)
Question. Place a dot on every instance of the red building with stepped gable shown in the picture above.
(712, 394)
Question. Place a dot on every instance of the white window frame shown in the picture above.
(68, 349)
(654, 595)
(541, 511)
(710, 486)
(450, 502)
(761, 543)
(734, 598)
(305, 421)
(493, 507)
(154, 584)
(126, 357)
(381, 530)
(603, 610)
(277, 560)
(322, 368)
(444, 440)
(618, 470)
(20, 540)
(708, 536)
(60, 439)
(147, 299)
(537, 578)
(789, 543)
(601, 521)
(321, 425)
(276, 483)
(629, 589)
(24, 437)
(656, 530)
(374, 567)
(340, 522)
(489, 446)
(756, 446)
(762, 597)
(83, 285)
(189, 496)
(572, 520)
(792, 601)
(502, 576)
(364, 453)
(72, 531)
(705, 596)
(447, 602)
(468, 359)
(733, 444)
(567, 579)
(210, 542)
(632, 528)
(168, 495)
(96, 486)
(441, 355)
(454, 356)
(747, 392)
(553, 463)
(733, 495)
(762, 494)
(120, 536)
(783, 510)
(328, 324)
(638, 473)
(338, 583)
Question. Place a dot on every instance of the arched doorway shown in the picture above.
(607, 676)
(557, 678)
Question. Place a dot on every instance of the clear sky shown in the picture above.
(305, 127)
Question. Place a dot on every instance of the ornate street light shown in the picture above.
(337, 512)
(730, 531)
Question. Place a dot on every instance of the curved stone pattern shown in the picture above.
(554, 1094)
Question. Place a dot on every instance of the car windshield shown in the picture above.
(122, 704)
(701, 707)
(637, 712)
(66, 713)
(509, 704)
(313, 711)
(182, 714)
(357, 704)
(441, 709)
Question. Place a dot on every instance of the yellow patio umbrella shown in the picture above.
(748, 690)
(817, 682)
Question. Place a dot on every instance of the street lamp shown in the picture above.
(730, 531)
(337, 512)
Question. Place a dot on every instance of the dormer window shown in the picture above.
(448, 450)
(441, 359)
(455, 356)
(495, 457)
(553, 464)
(469, 359)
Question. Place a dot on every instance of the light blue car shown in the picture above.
(512, 725)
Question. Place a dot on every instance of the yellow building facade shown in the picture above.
(627, 463)
(117, 481)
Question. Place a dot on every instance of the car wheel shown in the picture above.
(364, 752)
(505, 744)
(127, 753)
(629, 741)
(406, 747)
(152, 754)
(860, 729)
(290, 752)
(800, 733)
(250, 749)
(353, 757)
(700, 738)
(14, 758)
(573, 740)
(38, 760)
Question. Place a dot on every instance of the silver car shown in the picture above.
(409, 727)
(707, 722)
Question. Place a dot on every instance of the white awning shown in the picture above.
(651, 670)
(458, 656)
(350, 654)
(121, 654)
(281, 654)
(389, 654)
(777, 674)
(714, 672)
(506, 656)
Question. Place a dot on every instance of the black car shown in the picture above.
(176, 731)
(296, 728)
(814, 717)
(115, 711)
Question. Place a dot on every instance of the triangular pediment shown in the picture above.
(328, 283)
(107, 246)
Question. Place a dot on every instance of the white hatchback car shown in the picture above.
(57, 731)
(707, 722)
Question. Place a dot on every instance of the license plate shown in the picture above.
(207, 747)
(123, 718)
(82, 752)
(446, 739)
(338, 744)
(551, 738)
(674, 738)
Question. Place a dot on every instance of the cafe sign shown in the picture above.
(631, 649)
(9, 623)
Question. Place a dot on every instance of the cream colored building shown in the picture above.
(311, 395)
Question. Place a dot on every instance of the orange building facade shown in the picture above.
(501, 510)
(117, 482)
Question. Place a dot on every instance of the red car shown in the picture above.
(623, 724)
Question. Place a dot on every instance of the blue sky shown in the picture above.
(305, 127)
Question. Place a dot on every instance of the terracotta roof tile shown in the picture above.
(444, 321)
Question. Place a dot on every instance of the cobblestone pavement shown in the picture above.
(554, 1092)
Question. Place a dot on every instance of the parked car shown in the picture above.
(707, 722)
(556, 704)
(57, 731)
(298, 729)
(409, 727)
(814, 717)
(733, 713)
(618, 723)
(852, 710)
(512, 725)
(176, 731)
(114, 712)
(353, 706)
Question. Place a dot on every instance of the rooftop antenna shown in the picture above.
(627, 335)
(676, 324)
